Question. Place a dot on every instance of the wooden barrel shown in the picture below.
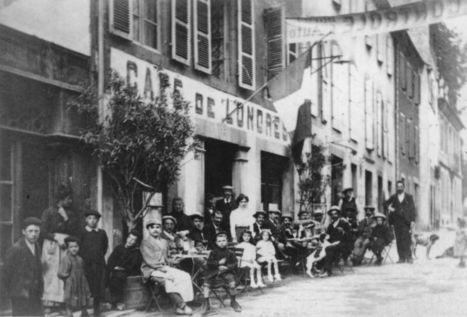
(136, 294)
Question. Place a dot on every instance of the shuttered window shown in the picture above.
(181, 30)
(416, 93)
(402, 133)
(389, 55)
(369, 115)
(410, 75)
(246, 48)
(274, 27)
(379, 128)
(121, 18)
(402, 72)
(202, 35)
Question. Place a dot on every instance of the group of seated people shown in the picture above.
(267, 238)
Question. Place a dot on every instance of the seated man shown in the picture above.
(217, 225)
(169, 224)
(124, 261)
(338, 232)
(260, 225)
(200, 232)
(176, 283)
(380, 237)
(221, 267)
(365, 226)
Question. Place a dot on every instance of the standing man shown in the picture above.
(401, 209)
(348, 204)
(226, 205)
(23, 272)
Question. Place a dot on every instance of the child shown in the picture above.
(460, 244)
(94, 244)
(221, 266)
(266, 252)
(380, 237)
(249, 259)
(71, 270)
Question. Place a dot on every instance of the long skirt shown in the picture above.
(54, 293)
(176, 281)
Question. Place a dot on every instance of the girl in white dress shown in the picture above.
(249, 259)
(266, 253)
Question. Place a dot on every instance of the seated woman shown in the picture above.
(249, 259)
(124, 261)
(266, 253)
(177, 283)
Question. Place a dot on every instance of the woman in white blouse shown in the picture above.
(241, 219)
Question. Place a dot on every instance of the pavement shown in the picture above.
(426, 288)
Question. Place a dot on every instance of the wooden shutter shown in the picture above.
(181, 30)
(402, 72)
(369, 115)
(121, 18)
(402, 133)
(246, 45)
(274, 26)
(416, 87)
(410, 75)
(389, 55)
(202, 35)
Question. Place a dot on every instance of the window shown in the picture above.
(202, 35)
(181, 31)
(402, 134)
(379, 127)
(389, 55)
(369, 115)
(409, 78)
(402, 72)
(274, 26)
(246, 45)
(292, 53)
(416, 84)
(217, 39)
(6, 197)
(136, 20)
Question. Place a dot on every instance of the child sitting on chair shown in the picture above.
(266, 253)
(249, 259)
(221, 266)
(380, 237)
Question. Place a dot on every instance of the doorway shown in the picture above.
(368, 188)
(218, 165)
(272, 170)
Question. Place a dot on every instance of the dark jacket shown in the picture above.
(208, 234)
(257, 229)
(22, 272)
(404, 212)
(340, 232)
(348, 205)
(365, 226)
(183, 221)
(53, 222)
(218, 254)
(93, 246)
(382, 232)
(226, 209)
(209, 214)
(128, 258)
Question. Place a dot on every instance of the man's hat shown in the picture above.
(92, 212)
(334, 208)
(379, 215)
(227, 187)
(31, 221)
(303, 212)
(369, 208)
(348, 189)
(259, 212)
(318, 212)
(197, 216)
(154, 221)
(289, 216)
(169, 217)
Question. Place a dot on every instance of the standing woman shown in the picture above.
(241, 219)
(58, 222)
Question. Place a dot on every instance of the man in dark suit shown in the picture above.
(201, 232)
(23, 272)
(401, 209)
(226, 205)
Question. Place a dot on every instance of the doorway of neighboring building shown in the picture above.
(337, 169)
(368, 188)
(272, 169)
(218, 165)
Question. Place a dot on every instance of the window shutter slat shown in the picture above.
(274, 25)
(246, 49)
(121, 18)
(181, 30)
(202, 35)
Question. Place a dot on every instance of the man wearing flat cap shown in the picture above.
(22, 272)
(226, 204)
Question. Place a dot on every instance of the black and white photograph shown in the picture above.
(268, 158)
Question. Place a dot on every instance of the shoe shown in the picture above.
(254, 285)
(324, 274)
(270, 278)
(184, 311)
(261, 285)
(278, 277)
(410, 261)
(236, 306)
(400, 261)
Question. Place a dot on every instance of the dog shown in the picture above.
(318, 253)
(424, 240)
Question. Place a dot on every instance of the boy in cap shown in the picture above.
(22, 272)
(93, 246)
(155, 267)
(380, 237)
(221, 268)
(169, 224)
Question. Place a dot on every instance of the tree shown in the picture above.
(312, 183)
(451, 58)
(138, 141)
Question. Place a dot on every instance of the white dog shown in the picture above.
(319, 252)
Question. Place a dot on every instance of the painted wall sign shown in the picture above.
(309, 29)
(206, 102)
